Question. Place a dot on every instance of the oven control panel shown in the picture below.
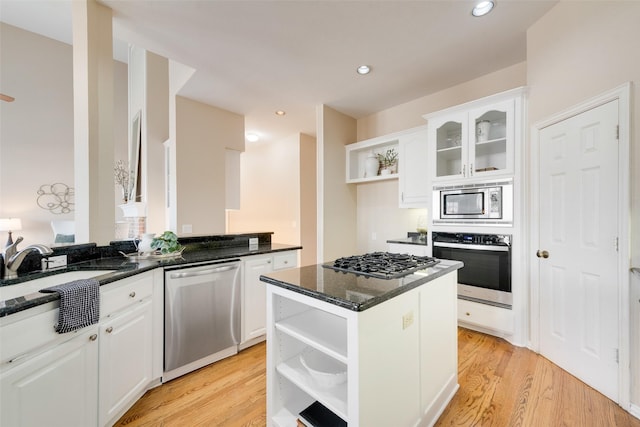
(473, 239)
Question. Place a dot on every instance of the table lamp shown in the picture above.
(9, 225)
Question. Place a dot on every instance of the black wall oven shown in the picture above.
(486, 275)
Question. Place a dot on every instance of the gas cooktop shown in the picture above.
(382, 265)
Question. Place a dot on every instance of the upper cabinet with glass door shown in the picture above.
(474, 140)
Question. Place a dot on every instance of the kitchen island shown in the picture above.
(396, 339)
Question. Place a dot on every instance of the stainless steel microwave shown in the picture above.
(490, 203)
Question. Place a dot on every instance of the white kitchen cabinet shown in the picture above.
(125, 360)
(413, 179)
(254, 294)
(54, 385)
(126, 345)
(357, 154)
(486, 318)
(400, 356)
(461, 148)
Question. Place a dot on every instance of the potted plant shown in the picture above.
(388, 161)
(166, 243)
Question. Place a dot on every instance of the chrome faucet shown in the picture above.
(13, 258)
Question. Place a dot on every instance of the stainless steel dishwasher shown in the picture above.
(201, 316)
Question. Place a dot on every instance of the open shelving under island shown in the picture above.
(396, 339)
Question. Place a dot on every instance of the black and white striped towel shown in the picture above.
(79, 304)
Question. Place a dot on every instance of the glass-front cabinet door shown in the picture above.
(491, 139)
(450, 135)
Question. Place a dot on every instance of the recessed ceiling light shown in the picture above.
(280, 113)
(252, 137)
(363, 69)
(483, 8)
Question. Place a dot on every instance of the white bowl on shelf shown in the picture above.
(325, 371)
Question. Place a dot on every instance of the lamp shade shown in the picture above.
(10, 224)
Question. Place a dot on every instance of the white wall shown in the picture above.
(36, 136)
(577, 51)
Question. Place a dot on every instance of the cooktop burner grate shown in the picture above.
(383, 265)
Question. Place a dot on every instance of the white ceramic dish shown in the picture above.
(325, 371)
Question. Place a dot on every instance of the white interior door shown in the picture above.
(579, 282)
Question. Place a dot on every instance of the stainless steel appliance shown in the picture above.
(488, 203)
(486, 275)
(201, 316)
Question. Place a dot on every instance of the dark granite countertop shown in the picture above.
(124, 267)
(409, 241)
(352, 291)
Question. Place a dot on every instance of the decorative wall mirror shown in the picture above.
(135, 159)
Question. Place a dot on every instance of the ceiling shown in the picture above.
(256, 57)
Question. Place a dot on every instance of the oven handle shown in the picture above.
(472, 247)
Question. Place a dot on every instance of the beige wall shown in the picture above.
(278, 193)
(409, 115)
(336, 200)
(202, 134)
(378, 216)
(149, 96)
(36, 136)
(270, 195)
(568, 64)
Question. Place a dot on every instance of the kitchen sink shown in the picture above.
(33, 286)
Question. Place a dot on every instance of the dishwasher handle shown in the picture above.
(203, 272)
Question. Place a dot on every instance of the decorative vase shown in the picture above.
(482, 130)
(371, 165)
(144, 247)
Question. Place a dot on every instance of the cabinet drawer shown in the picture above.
(286, 260)
(486, 316)
(29, 334)
(123, 293)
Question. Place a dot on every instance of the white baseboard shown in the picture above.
(634, 410)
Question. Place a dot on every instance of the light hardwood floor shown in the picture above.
(500, 385)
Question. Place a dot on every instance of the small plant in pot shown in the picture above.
(166, 243)
(388, 161)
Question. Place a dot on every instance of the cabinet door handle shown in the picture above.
(468, 314)
(471, 169)
(464, 170)
(109, 329)
(93, 337)
(132, 294)
(269, 262)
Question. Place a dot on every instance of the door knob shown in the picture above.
(542, 254)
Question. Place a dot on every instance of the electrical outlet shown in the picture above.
(187, 228)
(407, 320)
(253, 243)
(374, 235)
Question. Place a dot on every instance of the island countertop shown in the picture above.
(352, 291)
